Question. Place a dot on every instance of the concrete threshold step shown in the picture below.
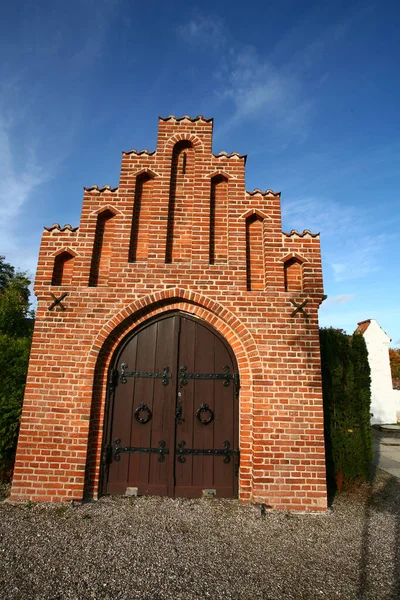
(389, 441)
(392, 429)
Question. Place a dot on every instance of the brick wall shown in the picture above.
(179, 232)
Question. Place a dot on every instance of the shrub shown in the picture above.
(14, 356)
(16, 326)
(347, 398)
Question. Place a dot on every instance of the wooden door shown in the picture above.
(172, 426)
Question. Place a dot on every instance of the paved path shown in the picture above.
(387, 452)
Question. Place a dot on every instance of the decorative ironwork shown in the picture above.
(226, 452)
(299, 308)
(112, 380)
(161, 450)
(57, 301)
(165, 375)
(236, 381)
(204, 408)
(226, 376)
(178, 410)
(182, 377)
(106, 455)
(180, 451)
(237, 463)
(143, 408)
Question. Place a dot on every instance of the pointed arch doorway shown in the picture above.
(172, 421)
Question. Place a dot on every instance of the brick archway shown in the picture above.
(125, 322)
(179, 137)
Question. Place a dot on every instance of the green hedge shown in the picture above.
(16, 326)
(14, 356)
(347, 398)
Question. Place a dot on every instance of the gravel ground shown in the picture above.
(164, 548)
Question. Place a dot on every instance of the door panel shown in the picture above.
(203, 352)
(150, 350)
(193, 458)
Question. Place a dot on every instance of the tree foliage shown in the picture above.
(347, 398)
(394, 355)
(16, 325)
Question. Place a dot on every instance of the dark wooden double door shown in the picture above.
(172, 426)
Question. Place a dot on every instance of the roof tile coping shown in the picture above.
(96, 188)
(66, 227)
(221, 154)
(257, 191)
(139, 152)
(236, 155)
(187, 118)
(305, 232)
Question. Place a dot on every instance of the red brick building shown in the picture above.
(176, 345)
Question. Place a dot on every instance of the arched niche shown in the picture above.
(63, 268)
(293, 274)
(102, 248)
(180, 207)
(255, 252)
(141, 218)
(218, 219)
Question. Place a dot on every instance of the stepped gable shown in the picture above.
(182, 280)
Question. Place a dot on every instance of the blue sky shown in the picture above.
(310, 91)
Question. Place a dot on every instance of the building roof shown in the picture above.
(363, 326)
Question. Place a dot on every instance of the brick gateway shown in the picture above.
(179, 238)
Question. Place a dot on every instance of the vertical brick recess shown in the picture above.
(293, 275)
(102, 249)
(179, 232)
(254, 253)
(141, 220)
(63, 269)
(219, 220)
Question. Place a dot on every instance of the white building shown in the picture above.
(385, 402)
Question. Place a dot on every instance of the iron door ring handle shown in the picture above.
(143, 408)
(204, 408)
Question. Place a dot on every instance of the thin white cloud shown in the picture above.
(318, 215)
(274, 85)
(357, 259)
(252, 83)
(19, 181)
(27, 139)
(103, 13)
(259, 90)
(206, 31)
(16, 183)
(348, 248)
(341, 299)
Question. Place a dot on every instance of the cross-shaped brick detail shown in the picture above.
(299, 308)
(57, 301)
